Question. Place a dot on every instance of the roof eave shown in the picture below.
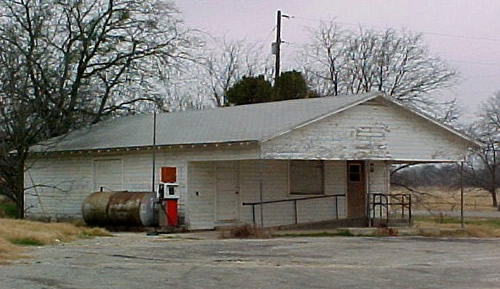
(150, 147)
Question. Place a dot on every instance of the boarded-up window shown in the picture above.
(306, 177)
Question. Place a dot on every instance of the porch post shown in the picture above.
(367, 188)
(260, 195)
(462, 194)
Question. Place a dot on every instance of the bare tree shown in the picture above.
(340, 61)
(227, 62)
(324, 59)
(483, 168)
(65, 64)
(490, 113)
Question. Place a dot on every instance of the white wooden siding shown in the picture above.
(372, 130)
(379, 178)
(58, 187)
(197, 188)
(108, 174)
(202, 194)
(275, 187)
(62, 182)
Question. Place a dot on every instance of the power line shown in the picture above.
(449, 35)
(426, 32)
(484, 76)
(473, 62)
(270, 33)
(461, 36)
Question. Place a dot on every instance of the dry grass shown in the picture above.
(16, 233)
(9, 251)
(45, 233)
(448, 199)
(451, 227)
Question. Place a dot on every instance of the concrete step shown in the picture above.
(391, 223)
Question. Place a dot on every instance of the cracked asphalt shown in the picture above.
(134, 260)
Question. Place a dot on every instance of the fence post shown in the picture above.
(336, 199)
(388, 201)
(295, 208)
(253, 215)
(409, 211)
(403, 203)
(380, 209)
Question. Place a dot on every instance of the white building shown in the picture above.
(229, 157)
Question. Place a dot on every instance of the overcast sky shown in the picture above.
(466, 33)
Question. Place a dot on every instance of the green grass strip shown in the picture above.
(26, 242)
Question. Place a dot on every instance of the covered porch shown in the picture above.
(276, 192)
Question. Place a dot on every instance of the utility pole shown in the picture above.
(277, 45)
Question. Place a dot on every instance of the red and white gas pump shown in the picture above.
(168, 197)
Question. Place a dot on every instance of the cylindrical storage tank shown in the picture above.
(119, 209)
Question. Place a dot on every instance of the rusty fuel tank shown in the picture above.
(119, 209)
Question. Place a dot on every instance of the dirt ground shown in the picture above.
(200, 261)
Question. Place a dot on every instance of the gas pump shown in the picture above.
(168, 197)
(168, 200)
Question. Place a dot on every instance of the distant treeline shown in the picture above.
(447, 175)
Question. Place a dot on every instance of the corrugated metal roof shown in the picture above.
(254, 122)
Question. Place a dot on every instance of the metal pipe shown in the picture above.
(409, 211)
(291, 200)
(295, 208)
(462, 194)
(261, 195)
(403, 207)
(154, 153)
(153, 169)
(336, 207)
(253, 215)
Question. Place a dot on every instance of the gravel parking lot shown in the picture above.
(194, 261)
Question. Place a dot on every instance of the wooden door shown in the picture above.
(356, 189)
(227, 191)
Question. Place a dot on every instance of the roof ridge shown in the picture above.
(274, 103)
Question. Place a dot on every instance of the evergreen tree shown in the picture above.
(250, 90)
(290, 85)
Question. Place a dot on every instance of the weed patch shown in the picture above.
(15, 234)
(451, 227)
(379, 232)
(7, 210)
(9, 251)
(338, 233)
(246, 232)
(26, 242)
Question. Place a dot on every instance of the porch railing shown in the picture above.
(295, 200)
(391, 204)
